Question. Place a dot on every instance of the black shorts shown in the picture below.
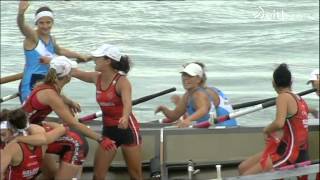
(128, 137)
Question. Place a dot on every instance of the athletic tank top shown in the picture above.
(191, 109)
(295, 130)
(30, 165)
(110, 103)
(37, 111)
(34, 70)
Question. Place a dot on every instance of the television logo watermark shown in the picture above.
(274, 14)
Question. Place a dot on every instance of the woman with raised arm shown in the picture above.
(291, 120)
(113, 94)
(38, 43)
(46, 98)
(20, 159)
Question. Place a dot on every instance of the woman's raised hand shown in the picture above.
(23, 6)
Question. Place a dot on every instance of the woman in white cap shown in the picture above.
(113, 94)
(200, 101)
(38, 43)
(19, 159)
(46, 98)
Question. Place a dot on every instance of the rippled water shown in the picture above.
(239, 41)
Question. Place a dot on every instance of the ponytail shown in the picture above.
(124, 65)
(51, 77)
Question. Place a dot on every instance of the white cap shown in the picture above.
(314, 75)
(62, 65)
(193, 69)
(107, 50)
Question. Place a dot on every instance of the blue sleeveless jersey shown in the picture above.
(34, 70)
(191, 108)
(223, 109)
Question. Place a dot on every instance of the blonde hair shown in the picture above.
(52, 77)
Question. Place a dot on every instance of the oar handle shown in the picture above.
(149, 97)
(90, 117)
(6, 98)
(93, 116)
(253, 103)
(11, 78)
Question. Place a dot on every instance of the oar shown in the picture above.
(91, 117)
(6, 98)
(252, 103)
(11, 78)
(243, 112)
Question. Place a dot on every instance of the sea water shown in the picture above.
(240, 42)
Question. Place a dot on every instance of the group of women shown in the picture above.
(49, 63)
(28, 139)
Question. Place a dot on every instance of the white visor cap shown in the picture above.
(62, 65)
(193, 69)
(108, 50)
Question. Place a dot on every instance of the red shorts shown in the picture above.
(282, 155)
(72, 148)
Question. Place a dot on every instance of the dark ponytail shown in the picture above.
(282, 76)
(17, 117)
(124, 64)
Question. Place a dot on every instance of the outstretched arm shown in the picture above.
(70, 54)
(60, 108)
(40, 139)
(56, 103)
(89, 77)
(25, 29)
(175, 114)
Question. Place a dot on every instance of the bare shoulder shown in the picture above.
(49, 93)
(124, 81)
(200, 94)
(12, 148)
(36, 129)
(123, 78)
(284, 97)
